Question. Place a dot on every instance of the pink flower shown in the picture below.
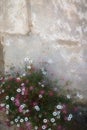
(17, 102)
(28, 126)
(34, 103)
(26, 91)
(31, 88)
(18, 80)
(20, 109)
(42, 92)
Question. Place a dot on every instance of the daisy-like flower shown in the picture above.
(44, 120)
(68, 96)
(59, 107)
(70, 115)
(52, 120)
(69, 119)
(18, 125)
(18, 90)
(7, 106)
(21, 120)
(26, 118)
(3, 90)
(26, 59)
(12, 98)
(7, 97)
(37, 108)
(36, 127)
(54, 113)
(16, 120)
(40, 96)
(43, 127)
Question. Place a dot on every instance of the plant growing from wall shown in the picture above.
(31, 102)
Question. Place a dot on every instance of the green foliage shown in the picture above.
(32, 100)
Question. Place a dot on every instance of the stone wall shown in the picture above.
(51, 32)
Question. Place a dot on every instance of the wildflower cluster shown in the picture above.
(29, 100)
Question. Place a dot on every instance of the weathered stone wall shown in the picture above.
(51, 32)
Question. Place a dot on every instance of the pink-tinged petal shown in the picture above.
(28, 126)
(42, 92)
(17, 102)
(20, 109)
(31, 88)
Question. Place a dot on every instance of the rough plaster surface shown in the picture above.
(54, 35)
(57, 39)
(14, 17)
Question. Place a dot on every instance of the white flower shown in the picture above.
(16, 120)
(23, 106)
(26, 59)
(36, 127)
(21, 120)
(3, 90)
(18, 125)
(68, 96)
(52, 120)
(18, 90)
(7, 106)
(79, 95)
(27, 111)
(18, 78)
(11, 122)
(42, 85)
(45, 120)
(49, 129)
(58, 117)
(26, 119)
(12, 98)
(23, 74)
(29, 67)
(2, 104)
(7, 97)
(59, 107)
(18, 117)
(69, 119)
(54, 113)
(22, 84)
(70, 115)
(37, 108)
(43, 127)
(40, 96)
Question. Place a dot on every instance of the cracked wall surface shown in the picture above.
(52, 33)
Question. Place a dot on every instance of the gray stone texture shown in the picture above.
(51, 32)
